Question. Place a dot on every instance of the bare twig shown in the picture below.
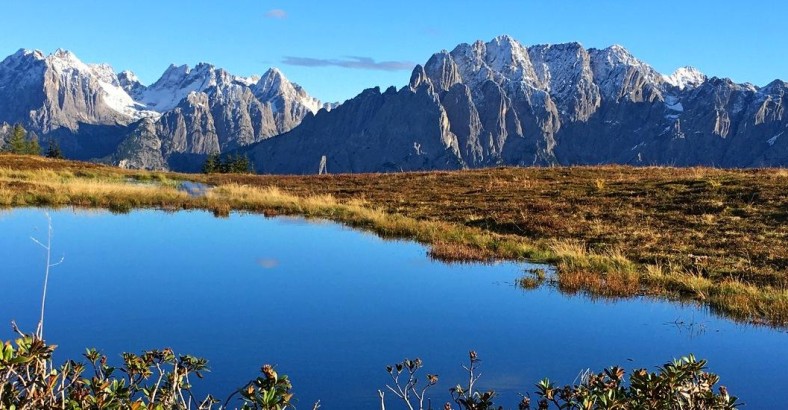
(49, 265)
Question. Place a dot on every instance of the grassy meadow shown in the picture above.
(717, 237)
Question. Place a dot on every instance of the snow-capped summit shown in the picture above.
(619, 55)
(60, 91)
(686, 77)
(25, 53)
(68, 66)
(20, 65)
(175, 84)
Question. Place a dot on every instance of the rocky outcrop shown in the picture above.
(5, 133)
(141, 149)
(373, 135)
(500, 103)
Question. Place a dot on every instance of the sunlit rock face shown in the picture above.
(501, 103)
(97, 114)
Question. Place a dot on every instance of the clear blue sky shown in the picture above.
(743, 40)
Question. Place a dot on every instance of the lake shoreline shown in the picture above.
(457, 227)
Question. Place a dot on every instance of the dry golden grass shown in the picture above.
(715, 236)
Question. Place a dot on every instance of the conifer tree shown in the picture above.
(212, 164)
(19, 144)
(54, 150)
(16, 144)
(32, 147)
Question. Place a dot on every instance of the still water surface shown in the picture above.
(331, 307)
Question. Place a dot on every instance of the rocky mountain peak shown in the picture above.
(274, 87)
(272, 79)
(503, 53)
(24, 54)
(64, 54)
(272, 84)
(175, 84)
(441, 71)
(418, 77)
(686, 77)
(172, 76)
(128, 76)
(21, 66)
(129, 82)
(617, 55)
(66, 61)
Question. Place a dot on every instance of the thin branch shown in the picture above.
(39, 243)
(49, 265)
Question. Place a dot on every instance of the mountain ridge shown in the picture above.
(481, 104)
(96, 114)
(501, 103)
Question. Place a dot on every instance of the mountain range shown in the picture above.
(484, 104)
(96, 114)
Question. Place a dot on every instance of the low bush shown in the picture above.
(161, 379)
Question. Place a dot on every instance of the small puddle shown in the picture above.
(194, 189)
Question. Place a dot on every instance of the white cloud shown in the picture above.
(278, 14)
(364, 63)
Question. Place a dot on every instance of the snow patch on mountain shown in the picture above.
(176, 84)
(65, 64)
(672, 103)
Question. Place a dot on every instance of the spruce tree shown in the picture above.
(241, 164)
(32, 147)
(212, 164)
(16, 144)
(54, 150)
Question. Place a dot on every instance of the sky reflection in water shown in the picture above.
(331, 307)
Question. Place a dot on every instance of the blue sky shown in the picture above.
(743, 40)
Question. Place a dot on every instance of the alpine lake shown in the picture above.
(331, 307)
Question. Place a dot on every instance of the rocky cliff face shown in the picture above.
(59, 91)
(188, 113)
(5, 133)
(500, 103)
(373, 132)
